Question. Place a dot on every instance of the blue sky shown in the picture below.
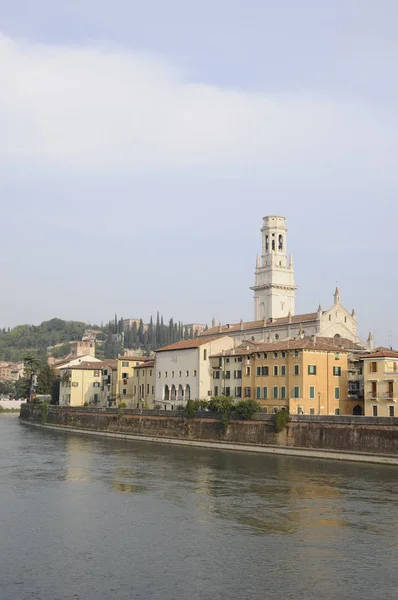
(142, 143)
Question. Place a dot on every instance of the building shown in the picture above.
(184, 371)
(274, 300)
(143, 385)
(86, 346)
(274, 289)
(11, 371)
(125, 372)
(305, 376)
(109, 383)
(380, 372)
(81, 384)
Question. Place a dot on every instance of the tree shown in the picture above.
(46, 379)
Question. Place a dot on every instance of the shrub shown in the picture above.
(247, 408)
(180, 407)
(44, 408)
(281, 419)
(203, 404)
(190, 408)
(221, 404)
(122, 405)
(157, 407)
(86, 403)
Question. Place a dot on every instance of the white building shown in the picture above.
(274, 300)
(184, 371)
(274, 289)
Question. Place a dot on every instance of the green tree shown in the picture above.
(46, 379)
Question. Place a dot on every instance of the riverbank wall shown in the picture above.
(330, 434)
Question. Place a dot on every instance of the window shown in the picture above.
(391, 411)
(238, 374)
(137, 372)
(238, 392)
(283, 370)
(248, 392)
(265, 392)
(153, 390)
(165, 373)
(312, 411)
(216, 374)
(75, 384)
(258, 393)
(337, 356)
(105, 372)
(265, 355)
(296, 353)
(264, 371)
(147, 388)
(216, 390)
(125, 363)
(276, 392)
(374, 411)
(311, 369)
(135, 390)
(337, 371)
(159, 374)
(143, 372)
(373, 367)
(227, 391)
(179, 373)
(275, 370)
(124, 392)
(374, 389)
(194, 373)
(265, 409)
(283, 354)
(227, 374)
(336, 411)
(125, 375)
(247, 370)
(96, 373)
(227, 360)
(187, 374)
(336, 393)
(204, 354)
(275, 409)
(283, 392)
(297, 369)
(296, 391)
(96, 384)
(150, 373)
(172, 373)
(312, 392)
(258, 371)
(275, 355)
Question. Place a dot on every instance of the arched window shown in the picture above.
(188, 393)
(273, 244)
(180, 393)
(266, 242)
(166, 392)
(280, 245)
(173, 393)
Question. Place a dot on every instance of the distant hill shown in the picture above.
(14, 342)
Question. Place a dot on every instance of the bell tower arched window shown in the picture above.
(266, 242)
(280, 244)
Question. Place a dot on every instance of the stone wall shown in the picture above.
(349, 434)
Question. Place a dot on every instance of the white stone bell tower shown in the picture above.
(274, 289)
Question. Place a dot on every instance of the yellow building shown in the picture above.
(380, 383)
(305, 376)
(143, 385)
(125, 374)
(81, 384)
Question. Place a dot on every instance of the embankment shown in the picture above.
(346, 438)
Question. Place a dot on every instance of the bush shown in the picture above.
(246, 409)
(157, 407)
(190, 408)
(122, 405)
(86, 403)
(281, 419)
(221, 404)
(180, 407)
(44, 408)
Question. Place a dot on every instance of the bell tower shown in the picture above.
(274, 289)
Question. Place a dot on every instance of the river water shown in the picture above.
(92, 518)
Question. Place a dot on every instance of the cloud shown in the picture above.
(103, 108)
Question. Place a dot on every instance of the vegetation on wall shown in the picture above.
(281, 419)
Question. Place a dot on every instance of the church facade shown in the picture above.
(274, 300)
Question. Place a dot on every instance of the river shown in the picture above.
(96, 519)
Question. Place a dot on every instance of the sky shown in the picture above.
(142, 143)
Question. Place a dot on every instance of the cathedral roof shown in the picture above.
(295, 319)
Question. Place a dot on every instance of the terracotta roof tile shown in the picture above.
(382, 353)
(184, 344)
(306, 343)
(296, 319)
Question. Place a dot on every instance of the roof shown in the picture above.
(295, 319)
(135, 358)
(306, 343)
(382, 353)
(186, 344)
(148, 363)
(88, 366)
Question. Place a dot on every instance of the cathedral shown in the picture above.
(274, 300)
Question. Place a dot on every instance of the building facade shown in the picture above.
(380, 372)
(143, 385)
(81, 384)
(184, 371)
(125, 374)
